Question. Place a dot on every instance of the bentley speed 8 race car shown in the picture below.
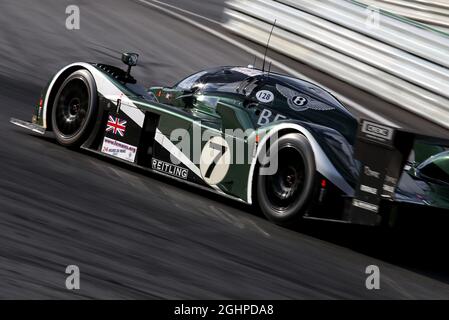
(262, 138)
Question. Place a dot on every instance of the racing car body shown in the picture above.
(261, 138)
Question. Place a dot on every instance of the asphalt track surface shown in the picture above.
(135, 235)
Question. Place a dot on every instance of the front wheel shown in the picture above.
(285, 195)
(74, 109)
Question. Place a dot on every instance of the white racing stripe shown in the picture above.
(359, 108)
(106, 88)
(174, 151)
(170, 147)
(112, 93)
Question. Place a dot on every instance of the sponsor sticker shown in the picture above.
(116, 126)
(267, 116)
(365, 205)
(377, 131)
(368, 189)
(388, 188)
(169, 168)
(265, 96)
(119, 149)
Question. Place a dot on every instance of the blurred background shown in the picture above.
(139, 236)
(396, 50)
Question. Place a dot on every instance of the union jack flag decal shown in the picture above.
(116, 126)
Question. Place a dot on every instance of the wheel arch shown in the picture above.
(253, 195)
(322, 163)
(53, 89)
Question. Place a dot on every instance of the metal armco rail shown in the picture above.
(431, 12)
(402, 62)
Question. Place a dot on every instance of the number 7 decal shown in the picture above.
(215, 160)
(212, 166)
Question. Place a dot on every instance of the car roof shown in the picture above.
(239, 75)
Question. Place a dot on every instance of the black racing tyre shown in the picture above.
(284, 196)
(75, 109)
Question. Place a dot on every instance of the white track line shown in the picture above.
(160, 5)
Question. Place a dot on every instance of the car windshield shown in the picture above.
(190, 81)
(225, 79)
(221, 87)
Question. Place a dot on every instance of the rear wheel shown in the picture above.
(285, 195)
(74, 109)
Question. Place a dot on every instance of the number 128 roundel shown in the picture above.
(282, 144)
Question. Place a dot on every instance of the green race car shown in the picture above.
(281, 143)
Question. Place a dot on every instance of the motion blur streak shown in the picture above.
(134, 236)
(357, 107)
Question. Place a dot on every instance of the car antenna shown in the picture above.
(269, 68)
(268, 44)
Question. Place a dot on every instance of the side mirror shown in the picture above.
(130, 59)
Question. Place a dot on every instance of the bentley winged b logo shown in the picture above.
(300, 101)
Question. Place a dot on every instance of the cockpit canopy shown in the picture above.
(289, 97)
(217, 78)
(249, 81)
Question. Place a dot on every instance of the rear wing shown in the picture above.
(383, 152)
